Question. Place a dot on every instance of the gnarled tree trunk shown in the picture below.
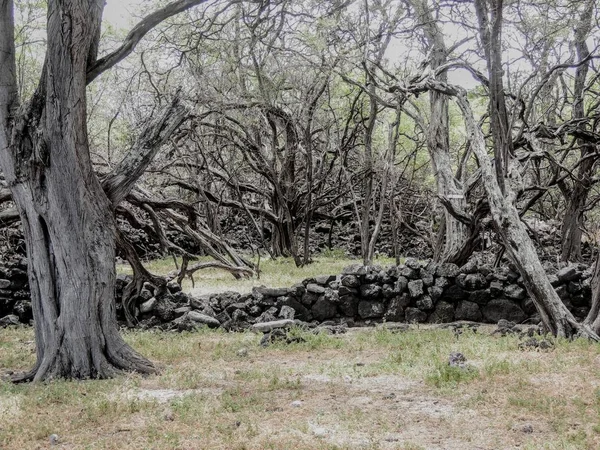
(67, 218)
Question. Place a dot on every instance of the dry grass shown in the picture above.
(281, 272)
(369, 389)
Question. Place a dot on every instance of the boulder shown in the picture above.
(415, 288)
(314, 288)
(324, 280)
(301, 312)
(287, 312)
(466, 310)
(310, 298)
(454, 292)
(480, 297)
(23, 311)
(569, 273)
(387, 290)
(425, 303)
(6, 321)
(343, 290)
(350, 281)
(239, 315)
(496, 288)
(515, 292)
(323, 309)
(198, 317)
(370, 291)
(435, 292)
(415, 315)
(270, 315)
(400, 285)
(355, 269)
(370, 310)
(348, 305)
(502, 308)
(447, 270)
(148, 305)
(395, 309)
(265, 327)
(442, 282)
(427, 279)
(411, 274)
(473, 282)
(443, 313)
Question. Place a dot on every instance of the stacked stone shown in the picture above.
(15, 305)
(417, 291)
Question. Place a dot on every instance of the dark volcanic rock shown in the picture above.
(466, 310)
(425, 303)
(370, 310)
(515, 292)
(395, 309)
(415, 315)
(350, 281)
(569, 273)
(480, 297)
(473, 282)
(415, 288)
(454, 293)
(348, 305)
(443, 313)
(447, 270)
(370, 291)
(323, 309)
(501, 308)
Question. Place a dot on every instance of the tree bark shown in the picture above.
(454, 232)
(67, 218)
(554, 314)
(572, 224)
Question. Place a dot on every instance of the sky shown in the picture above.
(121, 14)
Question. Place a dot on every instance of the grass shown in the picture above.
(370, 388)
(281, 272)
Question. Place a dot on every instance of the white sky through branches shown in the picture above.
(124, 14)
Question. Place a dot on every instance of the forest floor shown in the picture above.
(366, 389)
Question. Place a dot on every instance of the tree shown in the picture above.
(66, 215)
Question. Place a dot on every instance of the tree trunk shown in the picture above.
(572, 224)
(554, 314)
(573, 219)
(66, 216)
(453, 235)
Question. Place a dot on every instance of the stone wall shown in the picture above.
(14, 291)
(416, 291)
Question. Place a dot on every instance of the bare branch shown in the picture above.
(136, 35)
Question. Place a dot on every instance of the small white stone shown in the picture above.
(53, 439)
(320, 432)
(296, 403)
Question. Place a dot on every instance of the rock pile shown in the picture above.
(417, 291)
(414, 292)
(15, 305)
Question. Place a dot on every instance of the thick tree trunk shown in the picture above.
(66, 216)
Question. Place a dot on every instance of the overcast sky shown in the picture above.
(121, 14)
